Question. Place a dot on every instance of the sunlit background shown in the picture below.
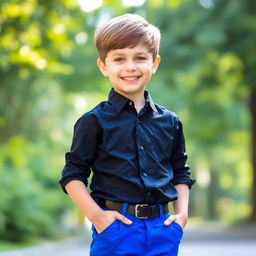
(49, 78)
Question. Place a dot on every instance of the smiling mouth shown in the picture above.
(130, 78)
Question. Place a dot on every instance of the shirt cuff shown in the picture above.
(65, 180)
(187, 181)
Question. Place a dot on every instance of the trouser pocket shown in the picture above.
(106, 230)
(105, 242)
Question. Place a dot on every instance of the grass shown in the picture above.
(8, 246)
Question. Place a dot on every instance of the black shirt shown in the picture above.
(135, 157)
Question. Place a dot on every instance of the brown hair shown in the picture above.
(127, 30)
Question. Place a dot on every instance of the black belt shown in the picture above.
(142, 211)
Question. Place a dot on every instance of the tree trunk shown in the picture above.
(212, 196)
(253, 129)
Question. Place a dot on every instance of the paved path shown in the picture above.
(241, 248)
(78, 247)
(71, 247)
(208, 240)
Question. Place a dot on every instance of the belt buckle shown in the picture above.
(137, 210)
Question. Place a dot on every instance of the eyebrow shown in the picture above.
(118, 54)
(136, 53)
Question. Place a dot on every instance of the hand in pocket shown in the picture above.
(104, 219)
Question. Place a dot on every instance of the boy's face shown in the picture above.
(129, 69)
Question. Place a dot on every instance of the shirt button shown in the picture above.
(130, 103)
(141, 148)
(138, 121)
(144, 174)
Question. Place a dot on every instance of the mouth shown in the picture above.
(130, 78)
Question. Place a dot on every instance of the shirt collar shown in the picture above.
(150, 101)
(119, 101)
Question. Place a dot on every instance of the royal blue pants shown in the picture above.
(144, 237)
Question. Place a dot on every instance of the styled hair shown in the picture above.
(127, 30)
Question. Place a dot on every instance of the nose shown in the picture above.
(131, 66)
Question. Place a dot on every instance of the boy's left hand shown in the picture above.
(178, 218)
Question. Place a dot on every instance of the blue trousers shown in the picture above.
(144, 237)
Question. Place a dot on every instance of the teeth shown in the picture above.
(130, 78)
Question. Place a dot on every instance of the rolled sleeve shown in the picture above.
(80, 158)
(181, 170)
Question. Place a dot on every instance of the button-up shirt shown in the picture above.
(134, 157)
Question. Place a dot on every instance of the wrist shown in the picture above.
(182, 216)
(181, 219)
(94, 214)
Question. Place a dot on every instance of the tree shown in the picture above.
(35, 37)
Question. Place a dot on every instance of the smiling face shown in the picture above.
(129, 69)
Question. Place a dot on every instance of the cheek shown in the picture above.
(148, 68)
(113, 71)
(148, 71)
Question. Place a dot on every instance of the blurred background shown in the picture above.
(49, 78)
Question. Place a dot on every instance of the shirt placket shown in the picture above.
(142, 147)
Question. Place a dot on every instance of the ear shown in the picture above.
(156, 63)
(102, 67)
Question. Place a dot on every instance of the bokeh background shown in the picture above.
(49, 78)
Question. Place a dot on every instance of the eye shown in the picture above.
(118, 59)
(140, 58)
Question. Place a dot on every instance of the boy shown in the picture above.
(135, 149)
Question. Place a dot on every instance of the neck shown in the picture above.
(138, 99)
(139, 104)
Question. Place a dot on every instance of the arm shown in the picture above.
(181, 171)
(100, 219)
(77, 170)
(181, 180)
(81, 155)
(180, 206)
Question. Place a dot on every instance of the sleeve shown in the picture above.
(80, 158)
(182, 173)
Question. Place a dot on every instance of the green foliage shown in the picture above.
(34, 38)
(31, 203)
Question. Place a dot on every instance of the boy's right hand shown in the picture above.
(102, 219)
